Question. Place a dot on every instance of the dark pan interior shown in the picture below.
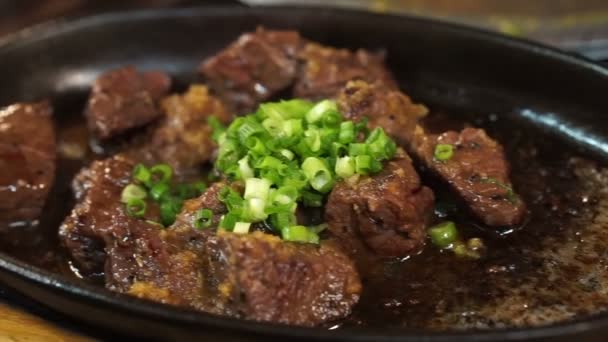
(436, 63)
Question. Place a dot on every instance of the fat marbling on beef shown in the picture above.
(27, 160)
(386, 212)
(478, 171)
(125, 98)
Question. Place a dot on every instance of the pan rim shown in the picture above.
(147, 309)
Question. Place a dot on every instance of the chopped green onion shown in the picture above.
(161, 173)
(443, 152)
(317, 112)
(159, 190)
(318, 174)
(169, 208)
(273, 126)
(347, 132)
(203, 218)
(357, 149)
(136, 207)
(444, 234)
(312, 138)
(292, 127)
(228, 221)
(132, 191)
(249, 129)
(345, 167)
(287, 154)
(363, 164)
(257, 188)
(244, 168)
(299, 234)
(142, 174)
(312, 199)
(241, 227)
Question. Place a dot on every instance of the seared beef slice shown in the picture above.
(478, 172)
(264, 278)
(27, 160)
(386, 212)
(124, 98)
(324, 70)
(254, 68)
(182, 138)
(98, 234)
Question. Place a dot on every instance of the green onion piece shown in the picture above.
(230, 198)
(132, 191)
(285, 195)
(347, 132)
(136, 207)
(332, 119)
(282, 220)
(203, 218)
(443, 152)
(241, 227)
(292, 127)
(257, 188)
(273, 126)
(249, 129)
(363, 164)
(169, 208)
(338, 150)
(216, 126)
(361, 127)
(287, 154)
(254, 210)
(159, 190)
(313, 139)
(444, 234)
(255, 145)
(291, 109)
(317, 173)
(269, 163)
(299, 234)
(345, 167)
(357, 149)
(142, 174)
(312, 199)
(161, 173)
(229, 221)
(318, 111)
(319, 228)
(244, 168)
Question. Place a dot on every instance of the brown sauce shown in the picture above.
(551, 269)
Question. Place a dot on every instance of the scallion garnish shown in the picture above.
(290, 153)
(161, 173)
(203, 218)
(132, 191)
(443, 152)
(444, 234)
(136, 207)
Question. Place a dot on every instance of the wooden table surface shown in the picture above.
(31, 322)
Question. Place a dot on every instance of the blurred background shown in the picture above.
(577, 25)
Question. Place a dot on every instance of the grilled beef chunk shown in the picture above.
(252, 276)
(27, 160)
(325, 70)
(124, 98)
(383, 107)
(266, 279)
(386, 212)
(99, 227)
(254, 68)
(183, 137)
(477, 171)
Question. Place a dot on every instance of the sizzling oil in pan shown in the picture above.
(552, 269)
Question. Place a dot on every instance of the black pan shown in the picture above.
(437, 63)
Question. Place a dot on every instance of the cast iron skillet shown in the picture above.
(437, 63)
